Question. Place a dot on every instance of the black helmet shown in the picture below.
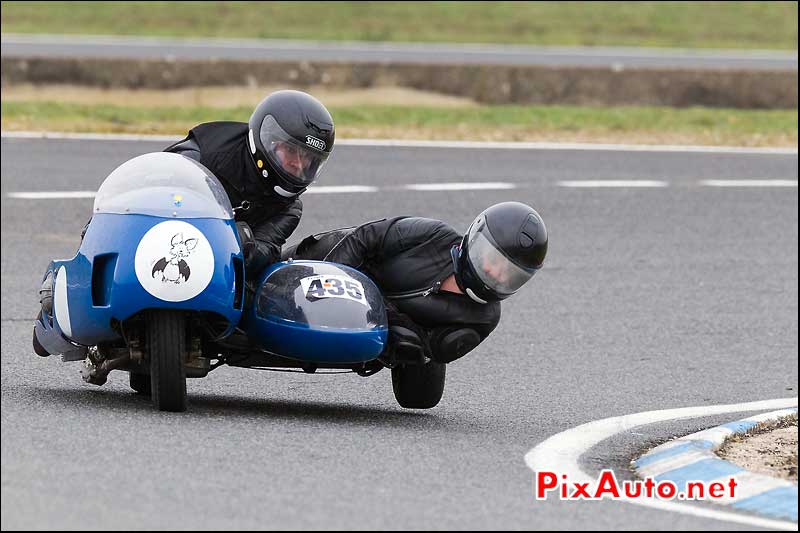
(502, 249)
(290, 137)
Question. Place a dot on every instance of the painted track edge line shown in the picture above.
(435, 144)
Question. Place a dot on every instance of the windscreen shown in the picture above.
(166, 185)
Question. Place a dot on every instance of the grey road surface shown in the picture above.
(285, 50)
(650, 298)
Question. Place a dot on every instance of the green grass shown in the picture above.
(673, 24)
(628, 124)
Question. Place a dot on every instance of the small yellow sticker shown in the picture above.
(260, 163)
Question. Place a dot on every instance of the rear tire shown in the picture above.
(141, 384)
(166, 341)
(418, 386)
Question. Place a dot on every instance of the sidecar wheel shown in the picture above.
(166, 341)
(418, 386)
(141, 384)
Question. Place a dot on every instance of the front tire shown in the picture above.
(166, 341)
(418, 386)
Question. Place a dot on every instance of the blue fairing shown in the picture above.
(318, 312)
(131, 262)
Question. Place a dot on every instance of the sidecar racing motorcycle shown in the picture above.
(157, 289)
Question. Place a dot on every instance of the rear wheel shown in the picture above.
(418, 386)
(166, 341)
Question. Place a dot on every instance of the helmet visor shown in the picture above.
(491, 266)
(300, 163)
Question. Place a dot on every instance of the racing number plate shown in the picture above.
(332, 286)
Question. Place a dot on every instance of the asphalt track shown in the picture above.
(651, 298)
(294, 50)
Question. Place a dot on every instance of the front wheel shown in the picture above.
(418, 386)
(166, 341)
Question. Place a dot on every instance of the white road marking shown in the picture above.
(52, 195)
(749, 183)
(750, 484)
(338, 189)
(701, 458)
(452, 186)
(613, 183)
(55, 195)
(59, 135)
(434, 144)
(560, 453)
(568, 146)
(458, 186)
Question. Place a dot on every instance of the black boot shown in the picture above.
(449, 344)
(405, 346)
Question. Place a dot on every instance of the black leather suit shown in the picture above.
(222, 148)
(408, 258)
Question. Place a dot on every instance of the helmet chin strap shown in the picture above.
(474, 297)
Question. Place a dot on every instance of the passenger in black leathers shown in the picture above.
(264, 165)
(441, 303)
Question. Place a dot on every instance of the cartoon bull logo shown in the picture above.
(175, 269)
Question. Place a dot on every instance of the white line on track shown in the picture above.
(567, 146)
(314, 189)
(560, 453)
(334, 189)
(749, 183)
(51, 195)
(458, 186)
(434, 144)
(589, 184)
(55, 195)
(59, 135)
(452, 186)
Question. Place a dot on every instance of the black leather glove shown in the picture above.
(247, 238)
(407, 341)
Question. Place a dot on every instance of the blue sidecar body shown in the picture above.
(317, 312)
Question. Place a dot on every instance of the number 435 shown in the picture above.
(334, 287)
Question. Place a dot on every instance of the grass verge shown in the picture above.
(673, 24)
(497, 123)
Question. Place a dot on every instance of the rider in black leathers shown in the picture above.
(442, 294)
(264, 165)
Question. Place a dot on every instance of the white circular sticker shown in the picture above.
(174, 261)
